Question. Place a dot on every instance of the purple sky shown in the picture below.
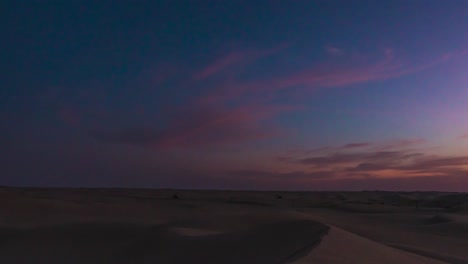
(302, 95)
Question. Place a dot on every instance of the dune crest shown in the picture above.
(342, 247)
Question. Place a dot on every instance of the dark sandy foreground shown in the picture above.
(280, 242)
(81, 226)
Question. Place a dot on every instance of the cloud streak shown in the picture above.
(346, 71)
(402, 143)
(454, 180)
(356, 145)
(220, 64)
(334, 51)
(202, 126)
(233, 110)
(377, 163)
(239, 57)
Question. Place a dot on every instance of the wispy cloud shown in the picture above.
(268, 175)
(239, 57)
(398, 162)
(456, 181)
(201, 127)
(220, 64)
(446, 180)
(330, 160)
(356, 145)
(436, 162)
(332, 50)
(402, 143)
(229, 110)
(346, 71)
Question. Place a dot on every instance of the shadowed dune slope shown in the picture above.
(279, 242)
(74, 226)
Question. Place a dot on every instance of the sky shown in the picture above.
(258, 95)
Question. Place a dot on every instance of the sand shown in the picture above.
(102, 243)
(340, 246)
(174, 226)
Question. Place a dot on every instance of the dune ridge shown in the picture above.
(340, 247)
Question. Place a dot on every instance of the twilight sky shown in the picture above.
(294, 95)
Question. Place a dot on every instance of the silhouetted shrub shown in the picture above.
(279, 196)
(175, 196)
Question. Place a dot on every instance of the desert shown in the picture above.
(238, 132)
(66, 225)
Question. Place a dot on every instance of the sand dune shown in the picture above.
(430, 254)
(443, 237)
(282, 242)
(173, 226)
(103, 243)
(340, 247)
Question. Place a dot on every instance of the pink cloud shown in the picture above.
(325, 74)
(333, 50)
(347, 71)
(238, 57)
(329, 180)
(204, 126)
(402, 143)
(234, 111)
(398, 165)
(220, 64)
(214, 125)
(356, 145)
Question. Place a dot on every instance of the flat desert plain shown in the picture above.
(64, 225)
